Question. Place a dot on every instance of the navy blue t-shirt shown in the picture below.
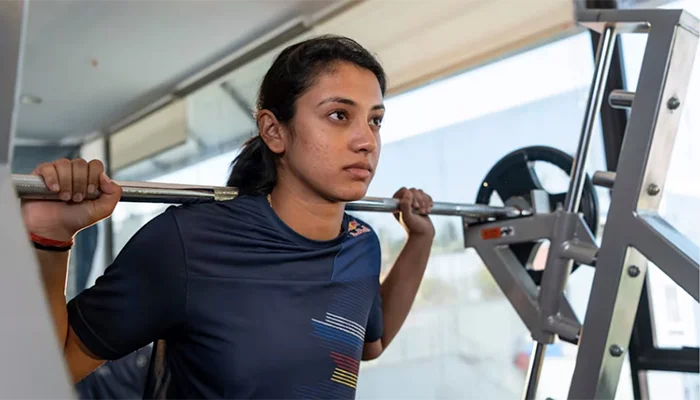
(237, 304)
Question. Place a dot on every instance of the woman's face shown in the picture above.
(335, 144)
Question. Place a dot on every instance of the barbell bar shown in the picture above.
(32, 187)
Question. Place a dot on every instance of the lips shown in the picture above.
(360, 165)
(359, 170)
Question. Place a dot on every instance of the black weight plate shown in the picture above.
(514, 176)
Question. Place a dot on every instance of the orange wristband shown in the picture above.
(46, 242)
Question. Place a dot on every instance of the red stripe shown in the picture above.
(345, 361)
(347, 366)
(343, 356)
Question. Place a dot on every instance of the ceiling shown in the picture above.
(95, 62)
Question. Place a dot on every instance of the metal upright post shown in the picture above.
(32, 364)
(595, 99)
(534, 371)
(634, 232)
(559, 266)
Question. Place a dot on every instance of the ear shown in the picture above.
(271, 131)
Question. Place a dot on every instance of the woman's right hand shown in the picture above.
(73, 180)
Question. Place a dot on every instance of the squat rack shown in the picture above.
(634, 234)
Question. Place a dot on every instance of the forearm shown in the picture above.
(400, 287)
(54, 269)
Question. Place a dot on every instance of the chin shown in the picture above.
(352, 192)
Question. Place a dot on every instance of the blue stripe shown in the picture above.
(330, 333)
(340, 347)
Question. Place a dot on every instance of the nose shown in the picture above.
(364, 139)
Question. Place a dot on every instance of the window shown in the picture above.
(663, 385)
(674, 312)
(463, 338)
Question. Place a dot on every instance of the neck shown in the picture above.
(306, 212)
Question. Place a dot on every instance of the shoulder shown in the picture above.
(205, 213)
(362, 236)
(177, 222)
(360, 229)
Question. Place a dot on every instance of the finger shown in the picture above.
(424, 200)
(65, 178)
(407, 202)
(80, 178)
(111, 193)
(421, 200)
(417, 203)
(400, 193)
(47, 171)
(95, 169)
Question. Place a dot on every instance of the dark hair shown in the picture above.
(254, 171)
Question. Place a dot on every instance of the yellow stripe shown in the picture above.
(341, 381)
(346, 374)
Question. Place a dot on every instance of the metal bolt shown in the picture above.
(633, 271)
(673, 103)
(616, 351)
(653, 189)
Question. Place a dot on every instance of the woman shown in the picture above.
(275, 294)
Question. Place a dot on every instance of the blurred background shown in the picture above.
(164, 91)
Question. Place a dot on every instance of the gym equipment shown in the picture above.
(621, 99)
(33, 187)
(515, 181)
(634, 231)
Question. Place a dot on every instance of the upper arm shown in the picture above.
(139, 299)
(374, 331)
(81, 361)
(373, 346)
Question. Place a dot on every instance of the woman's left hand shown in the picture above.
(414, 208)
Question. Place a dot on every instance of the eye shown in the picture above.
(339, 115)
(377, 121)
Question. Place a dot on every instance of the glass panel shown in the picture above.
(641, 3)
(463, 338)
(676, 315)
(663, 385)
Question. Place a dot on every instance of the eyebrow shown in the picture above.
(349, 102)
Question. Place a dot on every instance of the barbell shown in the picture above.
(32, 187)
(513, 178)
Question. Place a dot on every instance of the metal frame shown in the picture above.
(634, 233)
(613, 121)
(643, 354)
(34, 364)
(633, 224)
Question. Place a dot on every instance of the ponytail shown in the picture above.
(253, 171)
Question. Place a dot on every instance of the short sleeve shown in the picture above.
(140, 298)
(375, 324)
